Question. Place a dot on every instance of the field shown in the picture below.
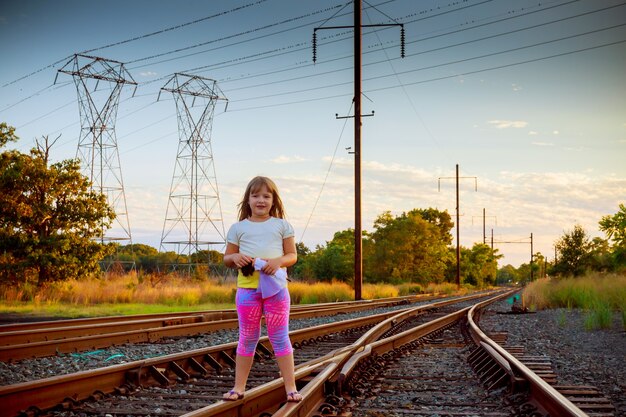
(145, 293)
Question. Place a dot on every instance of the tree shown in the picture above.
(301, 268)
(479, 265)
(615, 226)
(49, 217)
(407, 248)
(336, 259)
(507, 275)
(615, 229)
(438, 218)
(574, 252)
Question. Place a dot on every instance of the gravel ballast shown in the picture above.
(579, 356)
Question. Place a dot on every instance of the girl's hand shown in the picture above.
(240, 260)
(271, 266)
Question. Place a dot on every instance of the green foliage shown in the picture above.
(49, 217)
(574, 252)
(615, 229)
(479, 265)
(599, 316)
(336, 260)
(7, 134)
(507, 275)
(615, 226)
(410, 288)
(408, 248)
(412, 247)
(302, 268)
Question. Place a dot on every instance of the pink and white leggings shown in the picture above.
(250, 307)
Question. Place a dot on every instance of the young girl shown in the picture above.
(262, 232)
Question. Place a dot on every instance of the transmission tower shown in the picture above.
(193, 220)
(97, 145)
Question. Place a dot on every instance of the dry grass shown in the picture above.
(128, 288)
(583, 292)
(119, 294)
(598, 294)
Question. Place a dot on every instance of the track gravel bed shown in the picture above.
(32, 369)
(579, 356)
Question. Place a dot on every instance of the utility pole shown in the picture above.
(484, 217)
(358, 233)
(531, 257)
(458, 228)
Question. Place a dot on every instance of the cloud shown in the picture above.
(148, 74)
(555, 132)
(516, 87)
(533, 133)
(542, 143)
(505, 124)
(282, 159)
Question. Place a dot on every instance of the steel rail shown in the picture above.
(49, 392)
(549, 398)
(103, 326)
(225, 313)
(317, 373)
(148, 331)
(314, 393)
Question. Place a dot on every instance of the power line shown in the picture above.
(246, 32)
(330, 165)
(135, 39)
(437, 78)
(261, 55)
(158, 32)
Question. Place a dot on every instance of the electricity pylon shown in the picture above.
(97, 146)
(193, 220)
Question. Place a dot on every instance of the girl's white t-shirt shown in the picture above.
(260, 239)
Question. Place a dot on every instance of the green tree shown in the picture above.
(574, 252)
(615, 226)
(479, 265)
(336, 259)
(507, 275)
(407, 248)
(438, 218)
(49, 217)
(301, 268)
(615, 229)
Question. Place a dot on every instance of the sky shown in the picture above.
(528, 98)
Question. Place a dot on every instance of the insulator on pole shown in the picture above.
(314, 47)
(402, 42)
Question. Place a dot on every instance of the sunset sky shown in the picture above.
(528, 97)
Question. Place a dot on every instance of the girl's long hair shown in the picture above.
(255, 185)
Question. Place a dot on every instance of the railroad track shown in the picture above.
(424, 372)
(204, 367)
(410, 362)
(33, 340)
